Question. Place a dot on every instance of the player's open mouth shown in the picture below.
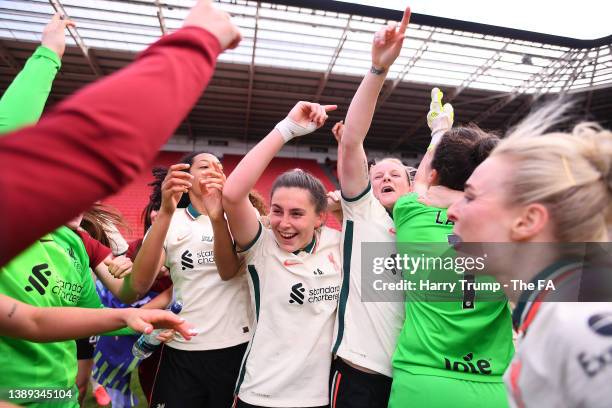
(286, 235)
(387, 189)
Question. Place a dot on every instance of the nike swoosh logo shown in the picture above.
(182, 237)
(291, 263)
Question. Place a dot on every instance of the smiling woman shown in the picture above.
(294, 274)
(190, 237)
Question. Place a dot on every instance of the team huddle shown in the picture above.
(274, 305)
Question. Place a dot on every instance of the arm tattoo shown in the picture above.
(377, 71)
(366, 171)
(12, 312)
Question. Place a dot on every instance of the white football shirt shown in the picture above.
(219, 310)
(294, 295)
(366, 331)
(564, 352)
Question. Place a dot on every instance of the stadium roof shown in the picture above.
(318, 50)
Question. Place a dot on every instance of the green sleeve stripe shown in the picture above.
(256, 289)
(257, 296)
(359, 196)
(250, 245)
(346, 277)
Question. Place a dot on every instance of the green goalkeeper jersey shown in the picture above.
(54, 271)
(447, 333)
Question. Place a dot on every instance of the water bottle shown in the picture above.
(148, 343)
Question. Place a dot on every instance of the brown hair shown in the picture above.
(459, 152)
(258, 202)
(301, 179)
(97, 217)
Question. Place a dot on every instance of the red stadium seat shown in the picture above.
(133, 198)
(278, 166)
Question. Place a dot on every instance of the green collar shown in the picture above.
(193, 213)
(308, 248)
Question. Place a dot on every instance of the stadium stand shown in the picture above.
(133, 198)
(278, 166)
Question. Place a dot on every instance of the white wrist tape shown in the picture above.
(436, 136)
(290, 129)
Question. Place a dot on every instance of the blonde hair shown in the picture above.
(569, 173)
(396, 161)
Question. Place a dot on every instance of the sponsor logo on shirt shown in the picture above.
(601, 323)
(38, 279)
(187, 260)
(206, 238)
(326, 293)
(595, 364)
(205, 257)
(468, 365)
(297, 294)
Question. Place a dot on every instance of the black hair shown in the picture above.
(459, 152)
(301, 179)
(154, 204)
(188, 159)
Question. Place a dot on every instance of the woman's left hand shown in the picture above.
(212, 189)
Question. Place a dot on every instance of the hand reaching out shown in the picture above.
(388, 43)
(143, 321)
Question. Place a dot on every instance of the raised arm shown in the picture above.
(304, 118)
(25, 98)
(98, 140)
(440, 120)
(226, 258)
(352, 160)
(151, 254)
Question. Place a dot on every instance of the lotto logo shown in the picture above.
(297, 294)
(187, 260)
(38, 279)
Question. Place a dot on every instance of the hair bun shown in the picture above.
(599, 153)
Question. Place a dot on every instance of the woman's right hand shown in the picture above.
(177, 182)
(305, 113)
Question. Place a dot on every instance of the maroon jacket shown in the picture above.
(99, 139)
